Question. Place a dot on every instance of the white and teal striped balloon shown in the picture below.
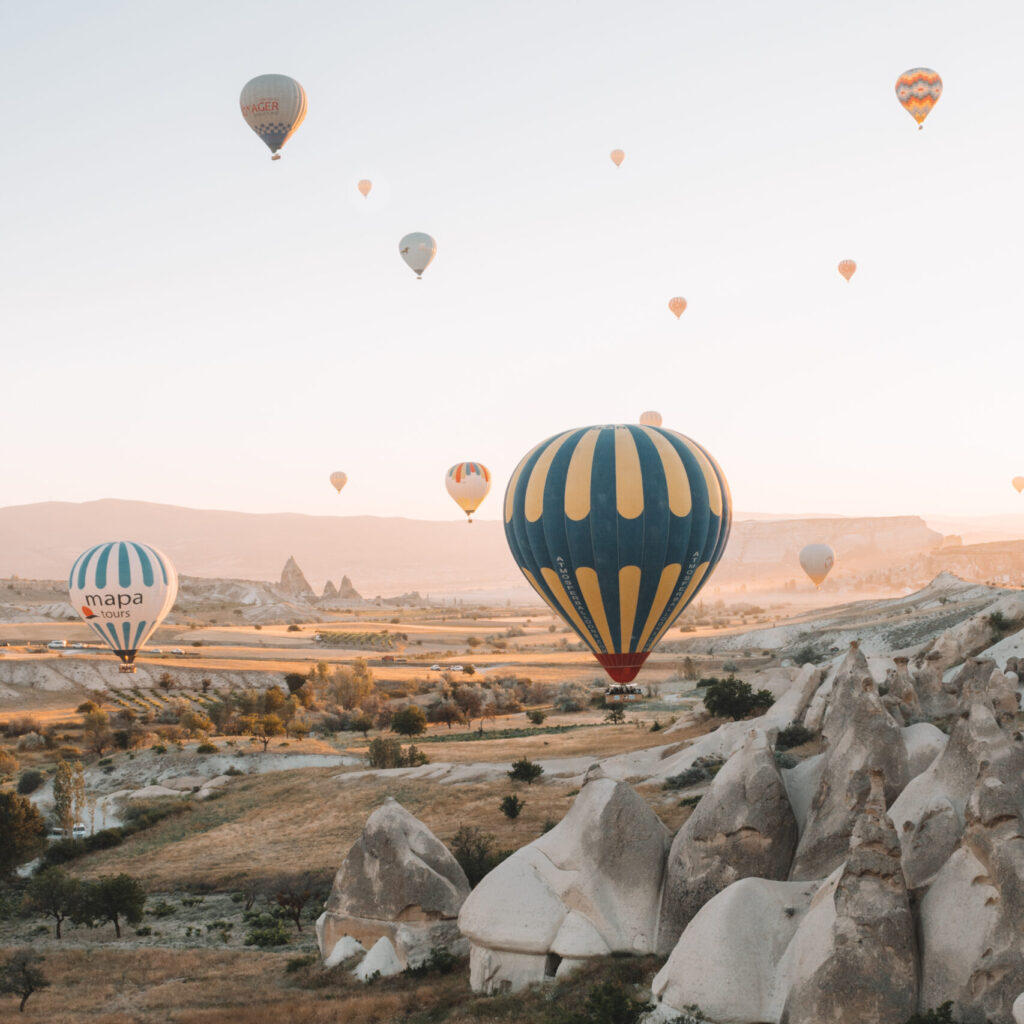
(123, 590)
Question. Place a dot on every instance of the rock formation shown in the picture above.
(348, 592)
(743, 827)
(398, 881)
(589, 887)
(901, 690)
(859, 735)
(294, 584)
(330, 591)
(864, 966)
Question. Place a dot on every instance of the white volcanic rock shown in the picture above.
(592, 884)
(344, 948)
(381, 961)
(743, 827)
(330, 590)
(398, 881)
(864, 968)
(152, 792)
(1018, 1009)
(929, 813)
(860, 735)
(923, 743)
(801, 784)
(294, 583)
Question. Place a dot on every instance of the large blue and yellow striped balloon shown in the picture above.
(123, 590)
(618, 528)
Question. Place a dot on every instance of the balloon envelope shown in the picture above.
(817, 561)
(468, 483)
(617, 157)
(677, 305)
(364, 187)
(417, 249)
(273, 107)
(1018, 483)
(617, 528)
(650, 418)
(919, 90)
(123, 590)
(338, 480)
(847, 268)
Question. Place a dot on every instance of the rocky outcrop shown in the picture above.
(589, 887)
(929, 813)
(294, 584)
(901, 689)
(864, 966)
(743, 827)
(859, 735)
(400, 882)
(330, 591)
(348, 592)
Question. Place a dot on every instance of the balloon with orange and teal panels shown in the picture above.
(468, 483)
(618, 528)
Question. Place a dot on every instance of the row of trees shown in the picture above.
(112, 899)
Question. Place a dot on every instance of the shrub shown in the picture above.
(536, 716)
(511, 805)
(732, 698)
(687, 777)
(476, 853)
(206, 748)
(163, 909)
(388, 753)
(783, 760)
(410, 721)
(29, 781)
(296, 963)
(159, 748)
(730, 666)
(525, 770)
(440, 961)
(942, 1015)
(655, 726)
(270, 932)
(794, 735)
(293, 628)
(807, 655)
(610, 1002)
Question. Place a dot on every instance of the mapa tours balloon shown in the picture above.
(468, 483)
(338, 480)
(817, 561)
(847, 268)
(123, 590)
(364, 187)
(677, 305)
(273, 107)
(617, 528)
(1018, 483)
(650, 418)
(617, 157)
(417, 250)
(919, 90)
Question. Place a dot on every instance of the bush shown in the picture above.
(440, 961)
(610, 1002)
(234, 771)
(536, 716)
(476, 853)
(687, 777)
(730, 666)
(794, 735)
(291, 629)
(732, 698)
(511, 805)
(942, 1015)
(525, 770)
(206, 748)
(655, 726)
(807, 655)
(783, 760)
(270, 932)
(29, 781)
(410, 721)
(388, 753)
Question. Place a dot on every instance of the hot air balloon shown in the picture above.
(338, 480)
(617, 157)
(919, 90)
(468, 483)
(418, 249)
(123, 590)
(273, 107)
(817, 560)
(650, 418)
(617, 528)
(677, 305)
(364, 187)
(847, 268)
(1018, 483)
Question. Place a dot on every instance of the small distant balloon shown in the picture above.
(919, 90)
(847, 268)
(338, 480)
(617, 157)
(123, 590)
(677, 305)
(417, 249)
(468, 483)
(364, 187)
(650, 418)
(273, 107)
(817, 560)
(1018, 483)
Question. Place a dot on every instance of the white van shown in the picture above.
(57, 645)
(78, 830)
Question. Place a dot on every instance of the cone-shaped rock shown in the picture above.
(742, 827)
(293, 583)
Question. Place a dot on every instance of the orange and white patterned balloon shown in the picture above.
(919, 90)
(847, 268)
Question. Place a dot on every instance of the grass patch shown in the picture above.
(501, 734)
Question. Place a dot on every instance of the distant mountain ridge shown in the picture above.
(387, 556)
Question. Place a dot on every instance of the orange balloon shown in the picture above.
(364, 186)
(617, 157)
(847, 268)
(677, 305)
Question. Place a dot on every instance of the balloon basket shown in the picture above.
(126, 668)
(276, 156)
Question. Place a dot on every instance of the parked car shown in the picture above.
(78, 830)
(435, 668)
(57, 645)
(78, 646)
(177, 650)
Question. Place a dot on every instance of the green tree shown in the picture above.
(410, 721)
(8, 762)
(22, 832)
(195, 722)
(536, 716)
(53, 893)
(96, 730)
(732, 698)
(273, 700)
(166, 681)
(21, 976)
(350, 685)
(446, 711)
(263, 728)
(616, 714)
(111, 898)
(362, 723)
(476, 852)
(525, 770)
(294, 681)
(68, 793)
(511, 806)
(292, 892)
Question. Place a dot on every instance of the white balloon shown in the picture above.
(417, 249)
(273, 107)
(817, 560)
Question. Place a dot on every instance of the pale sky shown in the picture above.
(185, 321)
